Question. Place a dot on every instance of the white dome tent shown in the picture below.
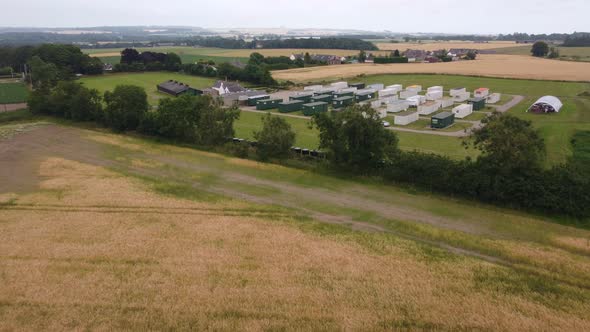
(547, 104)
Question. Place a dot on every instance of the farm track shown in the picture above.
(29, 148)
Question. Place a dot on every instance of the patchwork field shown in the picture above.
(111, 232)
(566, 53)
(147, 80)
(496, 65)
(12, 93)
(434, 45)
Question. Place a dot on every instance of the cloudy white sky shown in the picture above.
(451, 16)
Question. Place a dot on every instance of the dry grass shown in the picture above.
(505, 66)
(95, 250)
(444, 45)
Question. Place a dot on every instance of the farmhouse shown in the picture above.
(176, 89)
(415, 55)
(405, 118)
(546, 104)
(224, 87)
(442, 120)
(463, 110)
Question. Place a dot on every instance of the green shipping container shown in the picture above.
(268, 104)
(324, 98)
(343, 94)
(442, 120)
(343, 102)
(364, 96)
(291, 106)
(357, 85)
(306, 97)
(478, 103)
(252, 101)
(314, 108)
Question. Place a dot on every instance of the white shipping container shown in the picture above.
(481, 92)
(376, 104)
(405, 118)
(416, 88)
(416, 100)
(463, 110)
(339, 85)
(398, 106)
(429, 107)
(382, 112)
(407, 94)
(313, 88)
(435, 88)
(348, 90)
(387, 92)
(447, 102)
(434, 95)
(396, 87)
(462, 97)
(457, 92)
(494, 98)
(389, 100)
(377, 86)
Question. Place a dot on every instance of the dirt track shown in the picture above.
(504, 66)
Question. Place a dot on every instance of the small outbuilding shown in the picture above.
(342, 102)
(176, 89)
(463, 111)
(546, 104)
(291, 106)
(405, 118)
(442, 120)
(314, 108)
(478, 103)
(268, 104)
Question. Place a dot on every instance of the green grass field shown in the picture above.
(148, 81)
(12, 93)
(566, 53)
(187, 54)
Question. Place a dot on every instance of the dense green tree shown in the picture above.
(509, 144)
(396, 53)
(471, 55)
(355, 138)
(42, 73)
(74, 101)
(540, 49)
(307, 58)
(129, 56)
(553, 53)
(178, 118)
(275, 139)
(256, 58)
(125, 107)
(216, 123)
(362, 56)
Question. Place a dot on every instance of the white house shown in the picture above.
(405, 118)
(447, 102)
(416, 100)
(493, 98)
(481, 92)
(457, 92)
(398, 106)
(407, 94)
(387, 93)
(429, 107)
(463, 110)
(224, 87)
(434, 95)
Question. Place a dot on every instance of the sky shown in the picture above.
(439, 16)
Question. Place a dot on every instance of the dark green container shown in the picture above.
(357, 85)
(478, 103)
(343, 94)
(291, 106)
(442, 120)
(314, 108)
(362, 96)
(325, 98)
(268, 104)
(306, 97)
(342, 102)
(252, 101)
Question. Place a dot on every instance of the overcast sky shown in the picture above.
(450, 16)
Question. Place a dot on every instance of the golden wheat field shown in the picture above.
(492, 65)
(94, 248)
(433, 46)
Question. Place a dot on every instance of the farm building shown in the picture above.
(253, 100)
(225, 87)
(481, 92)
(447, 102)
(340, 94)
(416, 100)
(396, 87)
(478, 103)
(457, 92)
(314, 108)
(387, 93)
(357, 85)
(291, 106)
(398, 106)
(547, 104)
(442, 120)
(463, 111)
(434, 95)
(493, 98)
(376, 87)
(306, 97)
(342, 101)
(325, 98)
(416, 88)
(407, 94)
(313, 88)
(268, 104)
(176, 89)
(364, 95)
(339, 85)
(429, 107)
(405, 118)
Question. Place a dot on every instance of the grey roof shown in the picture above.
(233, 87)
(174, 86)
(290, 102)
(443, 115)
(319, 103)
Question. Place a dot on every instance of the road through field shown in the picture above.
(496, 65)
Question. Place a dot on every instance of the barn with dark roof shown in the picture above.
(176, 89)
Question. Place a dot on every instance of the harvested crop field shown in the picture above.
(434, 46)
(505, 66)
(117, 233)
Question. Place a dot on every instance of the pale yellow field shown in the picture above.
(445, 45)
(238, 53)
(496, 65)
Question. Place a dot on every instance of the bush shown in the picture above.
(275, 139)
(125, 107)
